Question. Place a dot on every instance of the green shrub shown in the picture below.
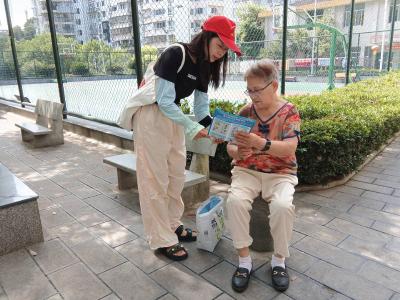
(340, 128)
(115, 70)
(80, 68)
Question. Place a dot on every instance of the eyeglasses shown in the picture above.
(256, 92)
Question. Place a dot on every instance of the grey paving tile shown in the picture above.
(45, 203)
(73, 207)
(221, 276)
(110, 297)
(395, 297)
(394, 244)
(91, 217)
(329, 253)
(71, 234)
(52, 255)
(381, 197)
(83, 191)
(349, 217)
(345, 282)
(97, 255)
(102, 203)
(113, 233)
(392, 208)
(387, 228)
(349, 190)
(311, 213)
(199, 260)
(319, 232)
(379, 176)
(375, 215)
(396, 192)
(22, 269)
(129, 282)
(358, 231)
(296, 236)
(139, 253)
(326, 202)
(55, 216)
(391, 184)
(338, 296)
(380, 274)
(3, 295)
(282, 296)
(55, 297)
(168, 297)
(299, 260)
(195, 286)
(361, 178)
(370, 187)
(77, 282)
(124, 216)
(300, 286)
(372, 250)
(129, 200)
(225, 297)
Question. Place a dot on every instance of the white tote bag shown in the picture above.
(145, 95)
(210, 223)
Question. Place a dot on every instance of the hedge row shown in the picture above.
(339, 128)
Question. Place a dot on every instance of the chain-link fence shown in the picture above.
(96, 66)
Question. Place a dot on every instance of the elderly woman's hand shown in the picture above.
(248, 140)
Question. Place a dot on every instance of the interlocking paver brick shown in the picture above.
(77, 282)
(347, 282)
(129, 282)
(383, 275)
(319, 232)
(329, 253)
(113, 233)
(97, 255)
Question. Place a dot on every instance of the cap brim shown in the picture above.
(230, 44)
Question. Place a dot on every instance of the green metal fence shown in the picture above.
(92, 53)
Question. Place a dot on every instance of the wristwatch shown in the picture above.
(267, 145)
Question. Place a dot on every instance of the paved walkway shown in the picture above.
(346, 242)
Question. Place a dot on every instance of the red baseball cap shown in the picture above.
(225, 28)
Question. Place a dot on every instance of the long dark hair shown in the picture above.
(209, 72)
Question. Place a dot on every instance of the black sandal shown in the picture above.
(171, 252)
(189, 237)
(280, 279)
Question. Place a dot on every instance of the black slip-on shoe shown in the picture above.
(280, 279)
(240, 279)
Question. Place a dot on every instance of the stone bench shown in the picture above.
(259, 226)
(20, 223)
(197, 185)
(291, 78)
(48, 129)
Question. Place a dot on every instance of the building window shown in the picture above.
(78, 11)
(199, 11)
(80, 32)
(158, 12)
(358, 15)
(122, 5)
(214, 10)
(396, 14)
(103, 13)
(78, 22)
(102, 3)
(160, 25)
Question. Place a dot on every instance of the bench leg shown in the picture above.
(126, 180)
(26, 136)
(259, 226)
(20, 226)
(198, 193)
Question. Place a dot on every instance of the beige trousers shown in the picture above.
(277, 190)
(161, 160)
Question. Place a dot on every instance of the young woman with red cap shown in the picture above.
(160, 130)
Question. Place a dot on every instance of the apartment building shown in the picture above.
(372, 23)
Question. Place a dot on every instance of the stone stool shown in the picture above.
(259, 226)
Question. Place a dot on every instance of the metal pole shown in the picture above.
(394, 17)
(56, 56)
(14, 52)
(332, 52)
(136, 41)
(349, 44)
(284, 37)
(383, 36)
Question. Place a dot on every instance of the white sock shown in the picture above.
(277, 262)
(245, 262)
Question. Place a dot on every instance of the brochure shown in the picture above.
(225, 125)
